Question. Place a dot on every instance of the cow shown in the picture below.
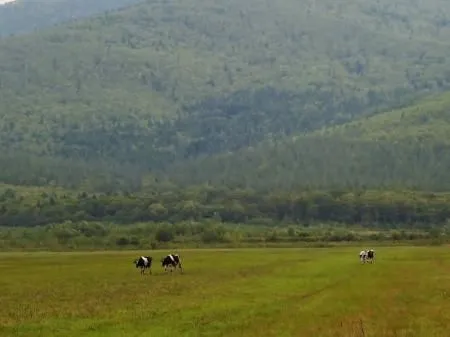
(363, 256)
(370, 255)
(172, 261)
(144, 262)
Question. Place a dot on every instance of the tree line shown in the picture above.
(150, 235)
(366, 208)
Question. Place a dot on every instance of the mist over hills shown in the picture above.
(246, 93)
(24, 16)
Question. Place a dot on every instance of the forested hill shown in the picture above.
(23, 16)
(403, 148)
(159, 82)
(427, 121)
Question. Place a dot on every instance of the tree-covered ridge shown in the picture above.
(232, 75)
(315, 162)
(405, 147)
(427, 121)
(24, 16)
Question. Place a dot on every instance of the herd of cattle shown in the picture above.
(173, 261)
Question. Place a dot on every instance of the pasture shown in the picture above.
(237, 292)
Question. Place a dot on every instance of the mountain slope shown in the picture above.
(427, 121)
(407, 147)
(162, 81)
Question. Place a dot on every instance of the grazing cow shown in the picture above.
(144, 262)
(172, 261)
(363, 256)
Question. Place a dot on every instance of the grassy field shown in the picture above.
(253, 292)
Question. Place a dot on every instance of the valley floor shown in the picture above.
(230, 292)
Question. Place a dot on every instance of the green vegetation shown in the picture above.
(191, 123)
(58, 219)
(427, 121)
(234, 293)
(157, 85)
(369, 208)
(91, 235)
(44, 218)
(407, 147)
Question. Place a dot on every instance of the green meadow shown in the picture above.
(230, 292)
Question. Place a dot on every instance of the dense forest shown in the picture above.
(188, 116)
(402, 148)
(366, 208)
(407, 147)
(160, 87)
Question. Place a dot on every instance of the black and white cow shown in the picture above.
(144, 262)
(172, 261)
(370, 255)
(363, 256)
